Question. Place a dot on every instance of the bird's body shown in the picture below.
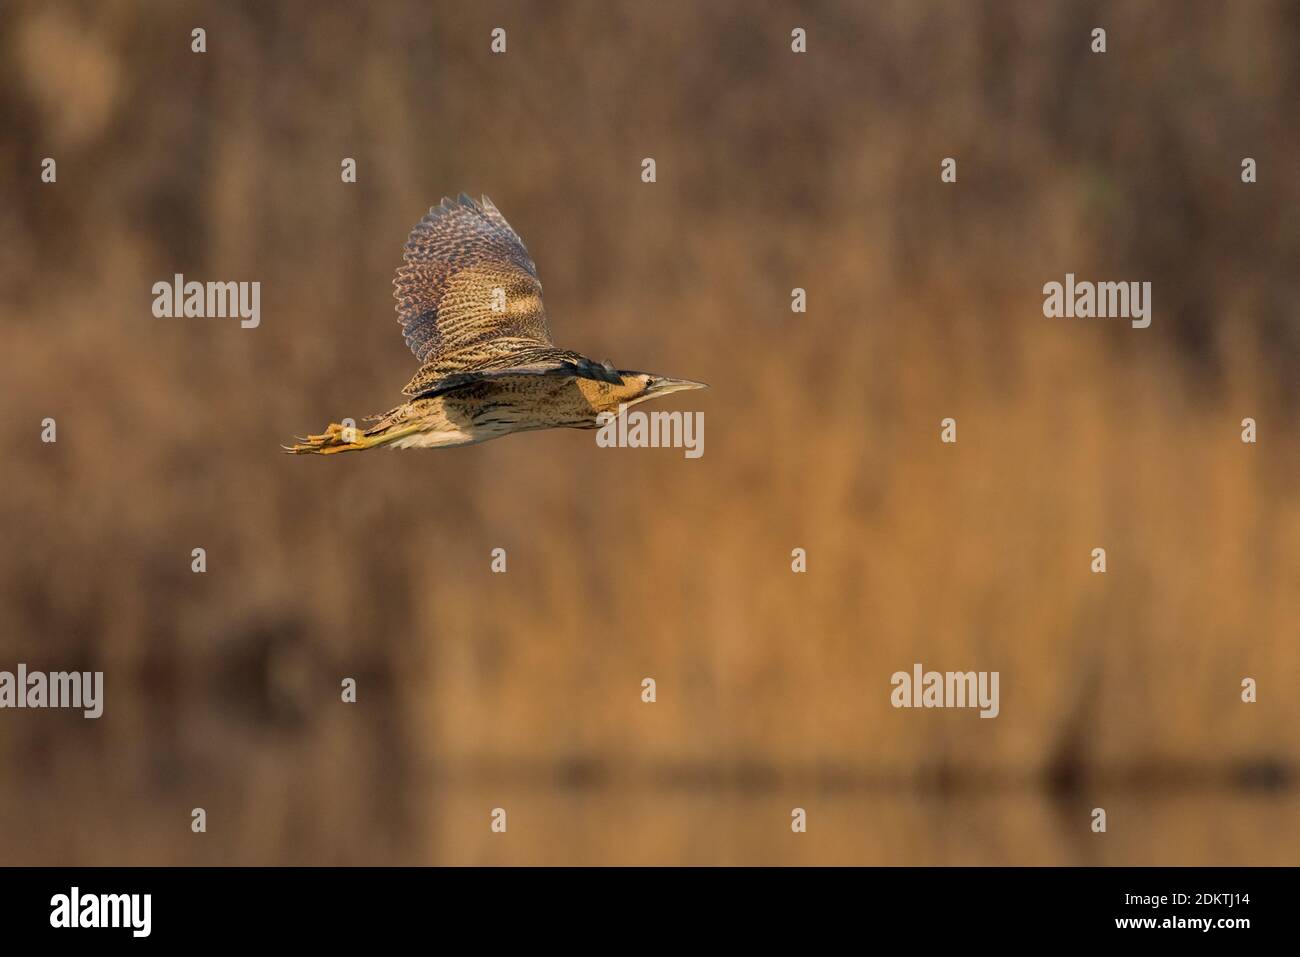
(490, 408)
(470, 305)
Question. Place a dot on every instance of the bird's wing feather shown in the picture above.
(433, 379)
(453, 316)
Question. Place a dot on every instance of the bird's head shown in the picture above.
(636, 387)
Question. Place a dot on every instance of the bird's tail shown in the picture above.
(349, 438)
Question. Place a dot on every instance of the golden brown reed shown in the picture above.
(522, 690)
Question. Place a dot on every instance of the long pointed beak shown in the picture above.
(665, 386)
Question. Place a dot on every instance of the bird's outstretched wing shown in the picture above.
(470, 303)
(468, 291)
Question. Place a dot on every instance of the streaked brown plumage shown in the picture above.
(470, 305)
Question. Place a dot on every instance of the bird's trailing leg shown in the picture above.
(346, 438)
(335, 438)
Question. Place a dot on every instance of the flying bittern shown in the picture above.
(470, 305)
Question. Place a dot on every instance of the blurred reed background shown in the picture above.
(522, 690)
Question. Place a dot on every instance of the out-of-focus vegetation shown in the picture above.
(522, 690)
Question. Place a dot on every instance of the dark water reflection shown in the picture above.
(662, 829)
